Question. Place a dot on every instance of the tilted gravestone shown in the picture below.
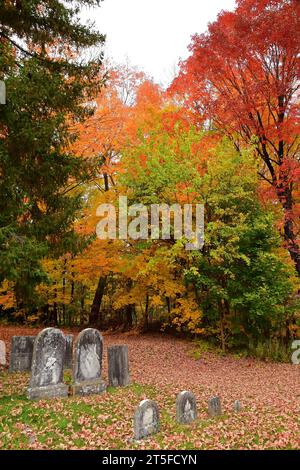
(237, 407)
(87, 363)
(47, 365)
(146, 419)
(2, 353)
(214, 406)
(118, 366)
(186, 407)
(21, 353)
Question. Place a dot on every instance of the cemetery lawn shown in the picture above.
(161, 367)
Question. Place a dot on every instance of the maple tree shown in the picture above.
(151, 151)
(243, 77)
(234, 300)
(156, 147)
(101, 139)
(77, 133)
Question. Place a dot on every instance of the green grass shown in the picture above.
(55, 423)
(106, 421)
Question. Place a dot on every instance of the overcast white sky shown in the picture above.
(154, 34)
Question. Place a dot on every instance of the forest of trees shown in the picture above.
(78, 131)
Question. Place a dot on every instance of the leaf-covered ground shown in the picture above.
(161, 367)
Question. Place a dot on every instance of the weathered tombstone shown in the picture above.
(118, 366)
(22, 350)
(237, 406)
(47, 365)
(186, 407)
(21, 353)
(2, 353)
(69, 352)
(214, 406)
(87, 363)
(146, 419)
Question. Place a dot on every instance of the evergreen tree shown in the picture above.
(49, 86)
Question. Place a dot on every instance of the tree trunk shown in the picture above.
(281, 185)
(64, 294)
(82, 301)
(95, 317)
(291, 240)
(222, 326)
(146, 315)
(284, 194)
(55, 314)
(129, 310)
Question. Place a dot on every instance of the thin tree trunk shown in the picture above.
(129, 309)
(64, 292)
(146, 315)
(95, 317)
(222, 326)
(82, 301)
(285, 197)
(281, 185)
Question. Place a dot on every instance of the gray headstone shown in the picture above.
(87, 363)
(22, 350)
(237, 406)
(69, 352)
(118, 366)
(47, 365)
(2, 353)
(146, 419)
(21, 353)
(214, 406)
(186, 407)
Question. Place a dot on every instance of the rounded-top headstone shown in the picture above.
(146, 419)
(214, 406)
(186, 407)
(47, 365)
(237, 407)
(87, 363)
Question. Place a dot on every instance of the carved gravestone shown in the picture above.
(118, 366)
(47, 365)
(21, 353)
(214, 406)
(2, 353)
(186, 407)
(87, 363)
(69, 352)
(146, 419)
(237, 407)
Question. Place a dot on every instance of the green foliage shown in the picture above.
(46, 86)
(243, 284)
(44, 22)
(271, 349)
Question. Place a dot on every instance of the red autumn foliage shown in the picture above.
(243, 78)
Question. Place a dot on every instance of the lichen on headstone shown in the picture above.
(47, 365)
(146, 419)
